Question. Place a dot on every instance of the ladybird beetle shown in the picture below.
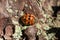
(28, 19)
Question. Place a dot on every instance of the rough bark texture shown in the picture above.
(47, 17)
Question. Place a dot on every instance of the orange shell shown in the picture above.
(28, 19)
